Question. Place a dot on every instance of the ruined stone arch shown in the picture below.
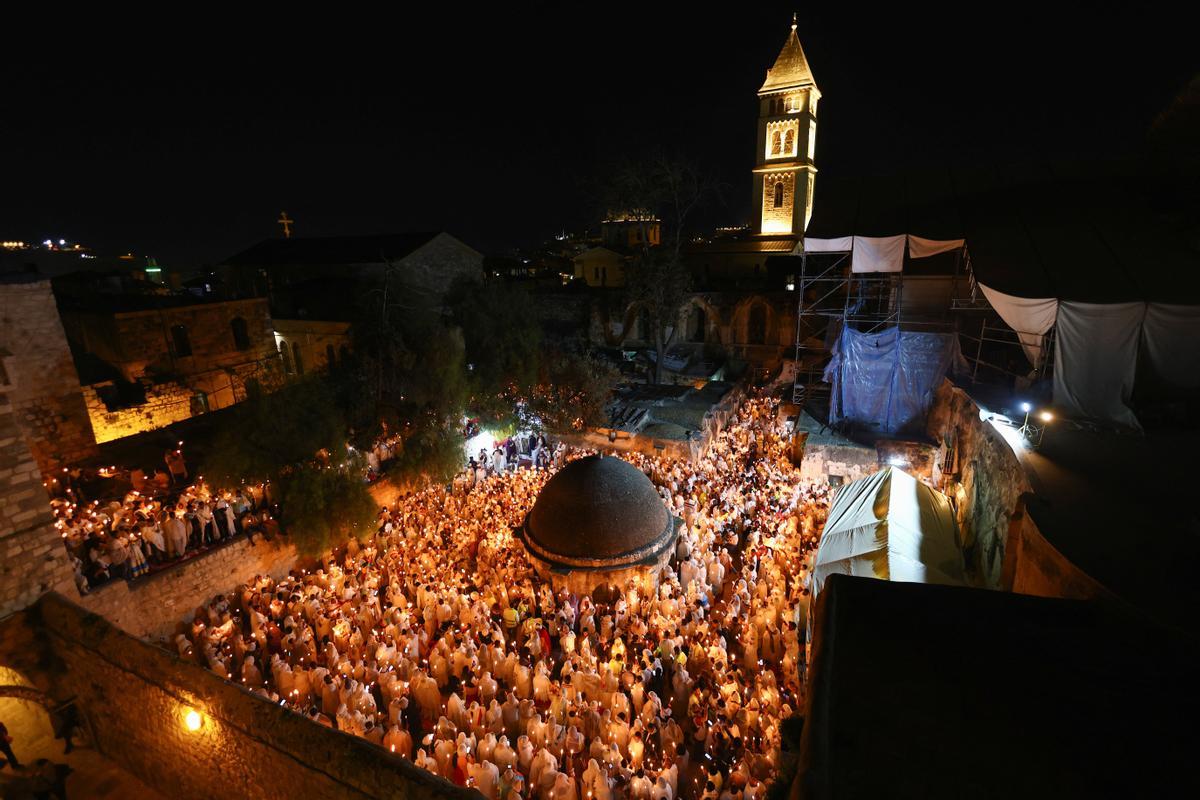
(711, 320)
(756, 321)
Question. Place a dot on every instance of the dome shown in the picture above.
(598, 512)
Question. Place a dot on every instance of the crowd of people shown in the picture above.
(522, 450)
(127, 537)
(435, 639)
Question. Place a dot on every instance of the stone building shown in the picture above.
(599, 523)
(756, 327)
(150, 360)
(38, 375)
(308, 344)
(32, 558)
(783, 175)
(324, 278)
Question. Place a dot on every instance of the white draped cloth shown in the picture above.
(920, 247)
(878, 254)
(1096, 359)
(1171, 337)
(1030, 317)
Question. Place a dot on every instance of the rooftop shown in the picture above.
(791, 70)
(598, 512)
(332, 250)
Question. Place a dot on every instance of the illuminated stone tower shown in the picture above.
(787, 138)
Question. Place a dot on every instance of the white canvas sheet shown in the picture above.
(893, 527)
(842, 244)
(878, 254)
(1031, 318)
(1171, 336)
(920, 247)
(1096, 354)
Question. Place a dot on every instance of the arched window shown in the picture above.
(241, 335)
(776, 144)
(330, 359)
(286, 352)
(789, 142)
(180, 342)
(697, 325)
(779, 194)
(756, 326)
(297, 358)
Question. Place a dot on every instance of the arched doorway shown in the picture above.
(756, 324)
(697, 325)
(25, 712)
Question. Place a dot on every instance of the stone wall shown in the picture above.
(42, 384)
(430, 270)
(152, 606)
(140, 342)
(136, 696)
(982, 474)
(32, 557)
(1034, 566)
(848, 462)
(166, 403)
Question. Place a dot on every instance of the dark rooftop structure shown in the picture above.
(332, 250)
(932, 691)
(598, 512)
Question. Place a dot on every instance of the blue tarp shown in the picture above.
(886, 380)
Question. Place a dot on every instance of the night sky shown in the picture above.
(496, 124)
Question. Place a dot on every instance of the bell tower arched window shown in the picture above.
(789, 142)
(779, 194)
(776, 144)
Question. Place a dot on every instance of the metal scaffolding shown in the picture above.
(830, 297)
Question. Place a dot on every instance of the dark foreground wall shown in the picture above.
(136, 697)
(944, 692)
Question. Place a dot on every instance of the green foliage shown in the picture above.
(271, 432)
(503, 343)
(279, 436)
(431, 453)
(572, 390)
(325, 505)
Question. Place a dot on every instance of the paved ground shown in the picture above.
(94, 777)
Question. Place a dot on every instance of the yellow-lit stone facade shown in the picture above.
(787, 131)
(779, 197)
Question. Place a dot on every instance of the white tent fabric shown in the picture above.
(1171, 336)
(878, 254)
(920, 247)
(842, 244)
(890, 526)
(1031, 318)
(1096, 359)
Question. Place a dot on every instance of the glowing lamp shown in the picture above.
(1026, 407)
(1047, 416)
(192, 720)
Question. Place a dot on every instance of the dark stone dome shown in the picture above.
(598, 512)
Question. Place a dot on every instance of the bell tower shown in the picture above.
(787, 138)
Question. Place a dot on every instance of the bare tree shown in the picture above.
(666, 188)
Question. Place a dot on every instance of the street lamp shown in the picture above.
(1026, 408)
